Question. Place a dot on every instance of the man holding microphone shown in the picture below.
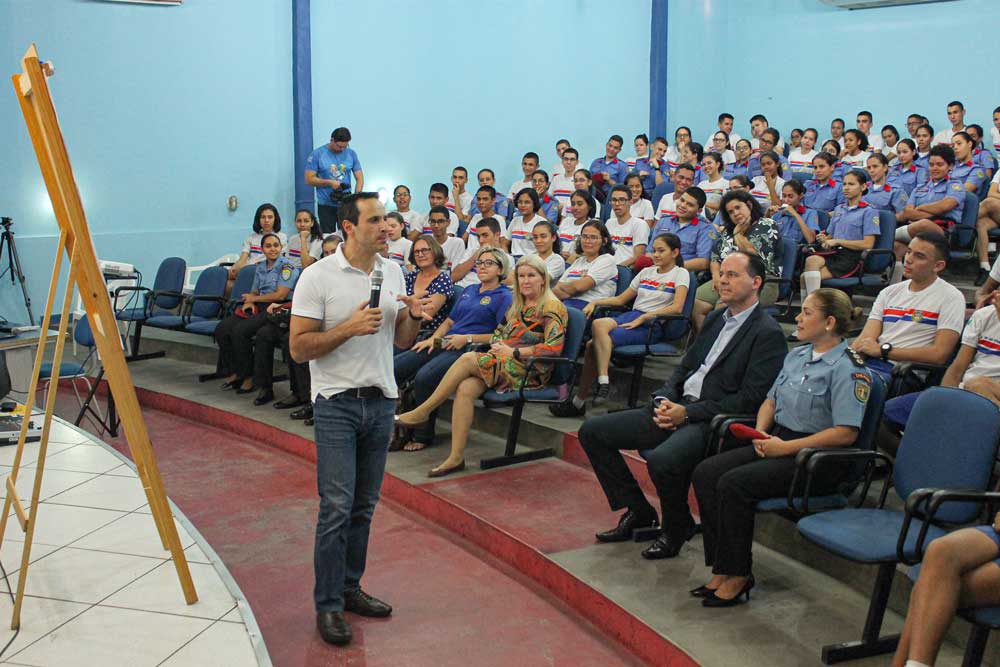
(344, 323)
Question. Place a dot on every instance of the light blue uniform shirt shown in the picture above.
(853, 223)
(788, 226)
(823, 196)
(617, 168)
(754, 166)
(810, 396)
(281, 274)
(933, 191)
(906, 179)
(649, 180)
(888, 197)
(738, 169)
(333, 166)
(969, 172)
(695, 240)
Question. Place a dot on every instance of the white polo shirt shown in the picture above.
(945, 136)
(982, 332)
(561, 189)
(626, 235)
(330, 290)
(453, 248)
(414, 221)
(464, 202)
(912, 319)
(666, 206)
(453, 223)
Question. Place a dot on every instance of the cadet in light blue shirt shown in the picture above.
(282, 273)
(615, 169)
(690, 228)
(329, 169)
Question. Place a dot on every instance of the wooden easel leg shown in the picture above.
(36, 491)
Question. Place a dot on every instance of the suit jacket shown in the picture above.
(739, 380)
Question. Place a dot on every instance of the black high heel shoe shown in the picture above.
(702, 592)
(232, 384)
(715, 601)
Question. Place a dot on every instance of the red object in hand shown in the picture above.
(598, 179)
(744, 432)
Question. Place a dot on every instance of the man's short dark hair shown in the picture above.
(480, 173)
(340, 134)
(440, 188)
(488, 189)
(491, 223)
(530, 155)
(725, 116)
(686, 166)
(956, 103)
(618, 138)
(755, 266)
(350, 209)
(926, 126)
(439, 209)
(573, 151)
(563, 141)
(698, 194)
(943, 151)
(620, 188)
(773, 133)
(866, 113)
(544, 174)
(838, 120)
(462, 169)
(758, 116)
(940, 242)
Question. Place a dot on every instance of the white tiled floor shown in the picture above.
(101, 590)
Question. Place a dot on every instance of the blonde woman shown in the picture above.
(535, 326)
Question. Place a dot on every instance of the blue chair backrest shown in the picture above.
(885, 241)
(169, 278)
(789, 256)
(82, 334)
(676, 329)
(243, 283)
(664, 188)
(873, 414)
(576, 323)
(971, 210)
(605, 211)
(211, 282)
(625, 277)
(823, 220)
(801, 176)
(950, 442)
(463, 226)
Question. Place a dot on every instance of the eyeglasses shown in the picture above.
(619, 200)
(421, 251)
(588, 237)
(485, 262)
(437, 222)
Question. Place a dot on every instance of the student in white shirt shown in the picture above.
(766, 188)
(890, 137)
(758, 123)
(837, 133)
(628, 235)
(856, 152)
(459, 179)
(800, 159)
(398, 248)
(519, 232)
(918, 319)
(641, 143)
(683, 179)
(715, 184)
(266, 220)
(488, 235)
(657, 290)
(561, 187)
(503, 204)
(639, 208)
(306, 245)
(548, 248)
(864, 123)
(682, 136)
(582, 207)
(414, 222)
(956, 117)
(437, 196)
(529, 163)
(561, 147)
(725, 124)
(594, 274)
(453, 247)
(720, 144)
(485, 206)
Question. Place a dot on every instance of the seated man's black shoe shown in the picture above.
(291, 401)
(981, 277)
(362, 604)
(629, 522)
(333, 628)
(666, 546)
(264, 397)
(309, 422)
(566, 409)
(302, 413)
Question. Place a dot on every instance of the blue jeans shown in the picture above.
(352, 439)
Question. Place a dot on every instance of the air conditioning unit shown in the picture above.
(876, 4)
(148, 2)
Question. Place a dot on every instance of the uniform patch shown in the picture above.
(980, 173)
(485, 301)
(861, 391)
(875, 220)
(956, 186)
(863, 377)
(286, 273)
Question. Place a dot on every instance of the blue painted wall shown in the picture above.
(166, 112)
(427, 86)
(801, 63)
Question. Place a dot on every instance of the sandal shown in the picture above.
(414, 446)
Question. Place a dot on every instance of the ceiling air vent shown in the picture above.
(875, 4)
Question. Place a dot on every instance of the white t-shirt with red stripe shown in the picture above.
(666, 206)
(912, 319)
(625, 236)
(982, 332)
(293, 251)
(569, 232)
(603, 270)
(561, 189)
(655, 290)
(519, 234)
(399, 250)
(464, 201)
(251, 246)
(801, 162)
(414, 221)
(760, 192)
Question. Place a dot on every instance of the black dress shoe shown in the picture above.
(292, 401)
(981, 277)
(333, 628)
(362, 604)
(241, 390)
(629, 522)
(303, 413)
(666, 546)
(566, 409)
(226, 386)
(309, 422)
(701, 592)
(264, 397)
(714, 600)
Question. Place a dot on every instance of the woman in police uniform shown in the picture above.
(818, 400)
(273, 282)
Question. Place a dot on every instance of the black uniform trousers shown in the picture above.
(728, 487)
(269, 338)
(328, 220)
(671, 458)
(235, 338)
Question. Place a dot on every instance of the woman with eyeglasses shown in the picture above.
(741, 167)
(534, 326)
(428, 260)
(594, 273)
(476, 313)
(720, 145)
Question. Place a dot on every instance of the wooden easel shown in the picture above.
(32, 92)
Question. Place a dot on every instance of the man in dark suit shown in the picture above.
(728, 369)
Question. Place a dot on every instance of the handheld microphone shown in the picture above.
(376, 289)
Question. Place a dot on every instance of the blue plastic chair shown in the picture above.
(822, 219)
(72, 370)
(665, 188)
(962, 236)
(165, 296)
(801, 176)
(623, 279)
(558, 388)
(882, 537)
(675, 327)
(242, 285)
(204, 304)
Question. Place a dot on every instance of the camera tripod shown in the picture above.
(14, 263)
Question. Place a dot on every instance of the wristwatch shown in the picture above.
(517, 353)
(468, 339)
(886, 349)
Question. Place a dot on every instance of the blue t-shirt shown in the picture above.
(479, 312)
(333, 166)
